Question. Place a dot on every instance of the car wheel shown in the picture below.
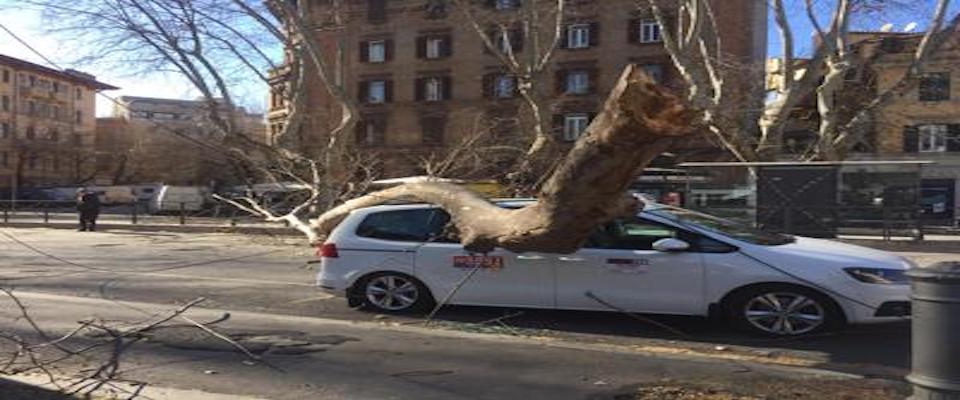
(783, 310)
(392, 292)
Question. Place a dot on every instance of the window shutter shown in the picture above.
(494, 37)
(418, 89)
(363, 92)
(592, 77)
(911, 139)
(364, 51)
(360, 132)
(563, 40)
(516, 40)
(388, 49)
(388, 90)
(446, 85)
(594, 34)
(558, 125)
(560, 81)
(488, 82)
(953, 138)
(380, 130)
(446, 46)
(633, 31)
(422, 47)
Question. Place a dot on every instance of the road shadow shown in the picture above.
(885, 345)
(13, 390)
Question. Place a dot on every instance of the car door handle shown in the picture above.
(523, 257)
(570, 259)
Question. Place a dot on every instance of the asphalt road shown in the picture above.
(262, 274)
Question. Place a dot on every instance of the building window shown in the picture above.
(506, 4)
(4, 130)
(505, 87)
(375, 91)
(655, 71)
(932, 138)
(578, 36)
(33, 81)
(6, 76)
(79, 94)
(30, 132)
(577, 82)
(53, 135)
(435, 88)
(370, 130)
(31, 107)
(5, 103)
(79, 117)
(649, 31)
(376, 51)
(433, 129)
(5, 159)
(934, 87)
(574, 125)
(507, 40)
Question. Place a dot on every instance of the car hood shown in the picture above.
(811, 253)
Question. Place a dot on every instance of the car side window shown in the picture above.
(630, 234)
(640, 234)
(418, 225)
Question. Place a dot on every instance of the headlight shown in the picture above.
(878, 275)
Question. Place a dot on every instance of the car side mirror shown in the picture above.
(670, 245)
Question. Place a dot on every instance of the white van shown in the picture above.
(170, 199)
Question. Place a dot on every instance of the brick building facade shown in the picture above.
(424, 79)
(47, 120)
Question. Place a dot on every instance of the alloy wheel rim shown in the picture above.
(392, 292)
(784, 313)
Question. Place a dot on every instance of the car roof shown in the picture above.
(506, 203)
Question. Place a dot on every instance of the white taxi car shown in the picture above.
(666, 260)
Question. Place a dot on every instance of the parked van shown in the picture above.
(170, 199)
(114, 195)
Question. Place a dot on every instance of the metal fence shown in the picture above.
(882, 221)
(59, 212)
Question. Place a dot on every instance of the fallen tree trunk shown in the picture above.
(638, 122)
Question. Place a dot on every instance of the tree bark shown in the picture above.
(638, 122)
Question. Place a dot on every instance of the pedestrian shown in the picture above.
(88, 205)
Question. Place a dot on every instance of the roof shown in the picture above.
(65, 75)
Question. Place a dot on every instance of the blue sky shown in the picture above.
(27, 24)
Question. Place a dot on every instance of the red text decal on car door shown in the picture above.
(487, 262)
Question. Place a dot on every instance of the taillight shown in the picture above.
(328, 250)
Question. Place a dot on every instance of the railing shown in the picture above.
(60, 212)
(884, 221)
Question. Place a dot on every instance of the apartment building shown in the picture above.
(47, 120)
(166, 140)
(424, 79)
(922, 124)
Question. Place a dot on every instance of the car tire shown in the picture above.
(393, 293)
(782, 310)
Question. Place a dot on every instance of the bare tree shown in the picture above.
(197, 39)
(638, 122)
(714, 82)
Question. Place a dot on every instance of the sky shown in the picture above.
(27, 24)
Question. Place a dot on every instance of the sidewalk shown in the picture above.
(316, 358)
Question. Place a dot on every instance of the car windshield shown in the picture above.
(722, 226)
